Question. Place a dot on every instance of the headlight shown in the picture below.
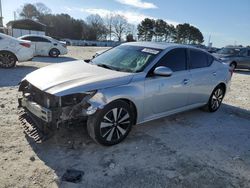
(76, 98)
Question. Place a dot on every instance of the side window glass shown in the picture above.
(210, 60)
(42, 39)
(175, 60)
(198, 59)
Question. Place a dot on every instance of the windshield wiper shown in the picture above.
(106, 66)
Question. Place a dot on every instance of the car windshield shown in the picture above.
(231, 51)
(126, 58)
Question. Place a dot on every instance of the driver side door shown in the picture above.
(165, 94)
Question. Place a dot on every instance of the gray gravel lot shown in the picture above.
(191, 149)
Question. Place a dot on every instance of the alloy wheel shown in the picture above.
(115, 124)
(7, 60)
(217, 98)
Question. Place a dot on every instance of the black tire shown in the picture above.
(7, 60)
(233, 66)
(215, 99)
(106, 129)
(54, 52)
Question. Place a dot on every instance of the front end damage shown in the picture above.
(47, 111)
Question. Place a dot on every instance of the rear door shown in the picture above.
(43, 46)
(244, 59)
(33, 43)
(164, 94)
(203, 76)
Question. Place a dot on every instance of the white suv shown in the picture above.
(46, 46)
(13, 50)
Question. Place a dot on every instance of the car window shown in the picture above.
(35, 39)
(198, 59)
(175, 60)
(28, 38)
(210, 60)
(248, 54)
(243, 52)
(40, 39)
(126, 58)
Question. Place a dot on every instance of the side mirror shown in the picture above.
(163, 71)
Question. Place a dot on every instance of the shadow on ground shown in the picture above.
(242, 71)
(175, 151)
(11, 77)
(60, 59)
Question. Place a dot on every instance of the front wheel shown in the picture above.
(112, 124)
(215, 99)
(54, 52)
(7, 60)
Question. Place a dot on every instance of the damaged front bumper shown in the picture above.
(58, 110)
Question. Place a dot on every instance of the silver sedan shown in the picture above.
(126, 85)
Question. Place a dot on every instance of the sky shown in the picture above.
(226, 21)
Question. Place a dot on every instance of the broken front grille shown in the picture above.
(40, 97)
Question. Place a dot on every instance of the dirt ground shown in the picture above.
(191, 149)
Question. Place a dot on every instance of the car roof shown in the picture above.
(160, 45)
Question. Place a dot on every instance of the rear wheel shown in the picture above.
(54, 52)
(7, 60)
(233, 66)
(112, 124)
(215, 99)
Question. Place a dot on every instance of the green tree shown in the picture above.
(130, 38)
(146, 29)
(187, 34)
(160, 29)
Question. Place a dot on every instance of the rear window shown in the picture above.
(35, 39)
(200, 59)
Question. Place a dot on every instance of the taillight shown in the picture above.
(27, 45)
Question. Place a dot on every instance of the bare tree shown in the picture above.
(97, 29)
(109, 23)
(42, 8)
(29, 11)
(119, 25)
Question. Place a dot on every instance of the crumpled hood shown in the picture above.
(74, 77)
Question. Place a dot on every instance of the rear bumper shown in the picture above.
(25, 54)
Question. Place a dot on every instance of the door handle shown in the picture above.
(185, 81)
(214, 73)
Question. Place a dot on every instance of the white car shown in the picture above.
(13, 50)
(46, 46)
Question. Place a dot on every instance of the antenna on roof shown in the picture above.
(1, 16)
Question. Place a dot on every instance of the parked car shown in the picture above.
(13, 50)
(127, 85)
(235, 57)
(46, 46)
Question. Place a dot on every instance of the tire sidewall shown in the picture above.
(95, 122)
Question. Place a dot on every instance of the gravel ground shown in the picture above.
(191, 149)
